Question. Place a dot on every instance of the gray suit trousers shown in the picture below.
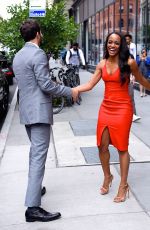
(39, 135)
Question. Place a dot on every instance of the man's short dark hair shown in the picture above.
(128, 35)
(29, 29)
(75, 44)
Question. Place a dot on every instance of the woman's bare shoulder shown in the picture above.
(101, 64)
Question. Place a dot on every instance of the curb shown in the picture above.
(7, 123)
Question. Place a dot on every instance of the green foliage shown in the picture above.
(56, 27)
(57, 1)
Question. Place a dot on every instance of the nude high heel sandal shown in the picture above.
(105, 190)
(125, 189)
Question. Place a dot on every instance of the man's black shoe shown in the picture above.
(43, 191)
(39, 214)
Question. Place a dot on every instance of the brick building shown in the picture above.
(97, 18)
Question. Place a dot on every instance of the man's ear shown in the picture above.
(37, 34)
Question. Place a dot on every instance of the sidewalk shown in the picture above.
(72, 183)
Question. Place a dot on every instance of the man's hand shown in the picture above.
(75, 94)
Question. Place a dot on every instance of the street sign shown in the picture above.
(37, 13)
(37, 8)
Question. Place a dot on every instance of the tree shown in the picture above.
(56, 1)
(56, 27)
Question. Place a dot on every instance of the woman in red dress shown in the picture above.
(116, 110)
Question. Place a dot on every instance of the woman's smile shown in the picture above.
(113, 44)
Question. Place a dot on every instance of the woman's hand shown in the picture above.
(137, 74)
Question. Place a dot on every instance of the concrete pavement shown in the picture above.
(73, 183)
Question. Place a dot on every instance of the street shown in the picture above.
(73, 172)
(93, 167)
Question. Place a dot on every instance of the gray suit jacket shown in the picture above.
(31, 70)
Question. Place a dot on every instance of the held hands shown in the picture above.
(75, 94)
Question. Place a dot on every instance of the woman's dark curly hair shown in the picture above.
(124, 55)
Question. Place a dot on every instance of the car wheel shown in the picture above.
(5, 100)
(10, 80)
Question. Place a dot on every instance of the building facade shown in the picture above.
(97, 18)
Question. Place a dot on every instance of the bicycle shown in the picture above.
(57, 101)
(68, 77)
(73, 78)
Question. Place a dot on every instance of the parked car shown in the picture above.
(4, 94)
(6, 68)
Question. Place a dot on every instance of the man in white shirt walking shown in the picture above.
(132, 49)
(75, 56)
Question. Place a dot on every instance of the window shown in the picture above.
(97, 38)
(93, 40)
(130, 22)
(131, 8)
(106, 21)
(121, 9)
(110, 24)
(89, 40)
(111, 18)
(101, 35)
(121, 23)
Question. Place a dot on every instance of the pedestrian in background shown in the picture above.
(31, 70)
(116, 110)
(132, 49)
(143, 63)
(75, 56)
(63, 54)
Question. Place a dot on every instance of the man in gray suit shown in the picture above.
(31, 70)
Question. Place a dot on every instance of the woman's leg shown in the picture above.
(144, 92)
(124, 169)
(141, 90)
(104, 156)
(124, 166)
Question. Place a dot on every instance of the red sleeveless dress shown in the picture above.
(116, 111)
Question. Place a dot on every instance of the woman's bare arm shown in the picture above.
(137, 74)
(94, 79)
